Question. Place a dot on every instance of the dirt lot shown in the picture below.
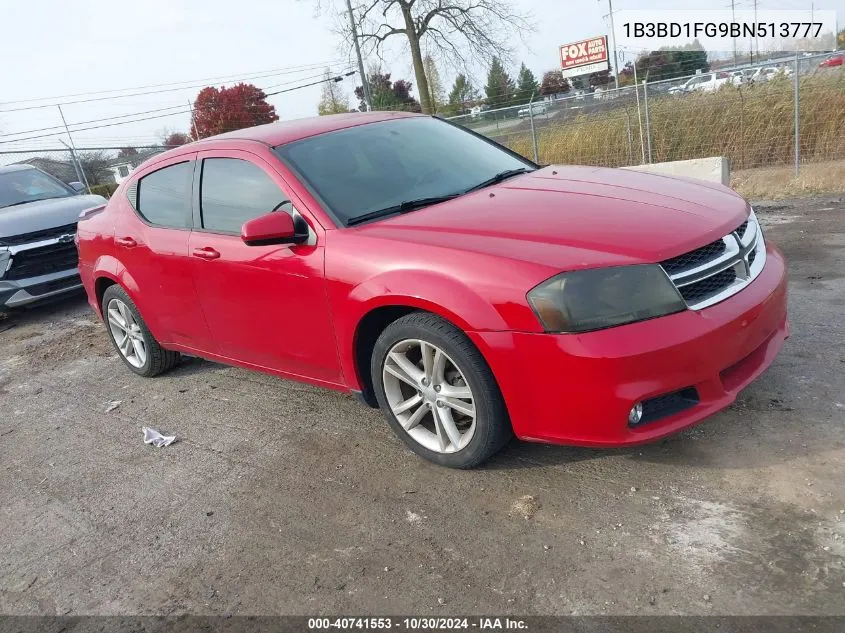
(280, 498)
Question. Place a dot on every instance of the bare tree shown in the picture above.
(458, 31)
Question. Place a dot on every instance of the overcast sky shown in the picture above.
(53, 49)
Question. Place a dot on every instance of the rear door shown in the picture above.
(265, 305)
(151, 243)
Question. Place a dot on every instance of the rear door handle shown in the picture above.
(206, 253)
(128, 242)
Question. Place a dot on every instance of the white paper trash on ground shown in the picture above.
(151, 436)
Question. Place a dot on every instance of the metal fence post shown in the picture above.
(647, 119)
(797, 119)
(630, 137)
(639, 119)
(533, 131)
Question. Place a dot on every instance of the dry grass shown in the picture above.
(752, 126)
(775, 183)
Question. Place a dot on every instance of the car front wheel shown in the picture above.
(438, 393)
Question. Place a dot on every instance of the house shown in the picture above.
(122, 166)
(61, 169)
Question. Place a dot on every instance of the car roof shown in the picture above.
(283, 132)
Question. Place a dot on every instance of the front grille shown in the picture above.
(708, 287)
(38, 236)
(720, 269)
(694, 258)
(43, 260)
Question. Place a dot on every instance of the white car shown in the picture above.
(535, 109)
(768, 73)
(705, 82)
(477, 111)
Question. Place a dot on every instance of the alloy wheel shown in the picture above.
(429, 395)
(126, 333)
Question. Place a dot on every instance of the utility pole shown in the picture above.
(364, 84)
(193, 121)
(756, 44)
(73, 149)
(733, 19)
(613, 35)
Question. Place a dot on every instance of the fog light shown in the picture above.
(635, 414)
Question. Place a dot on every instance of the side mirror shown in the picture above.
(77, 186)
(274, 228)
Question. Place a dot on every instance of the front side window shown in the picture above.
(164, 196)
(363, 169)
(234, 191)
(29, 185)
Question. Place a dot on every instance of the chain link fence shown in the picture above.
(747, 114)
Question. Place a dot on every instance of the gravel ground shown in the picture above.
(279, 498)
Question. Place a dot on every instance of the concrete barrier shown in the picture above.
(717, 169)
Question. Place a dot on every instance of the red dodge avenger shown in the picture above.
(466, 292)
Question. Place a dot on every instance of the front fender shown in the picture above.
(435, 292)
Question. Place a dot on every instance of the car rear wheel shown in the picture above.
(131, 338)
(438, 393)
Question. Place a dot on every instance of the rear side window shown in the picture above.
(163, 197)
(234, 191)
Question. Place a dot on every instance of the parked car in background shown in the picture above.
(832, 61)
(767, 73)
(538, 107)
(705, 82)
(737, 77)
(38, 215)
(603, 93)
(464, 290)
(477, 111)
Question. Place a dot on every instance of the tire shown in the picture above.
(156, 359)
(461, 368)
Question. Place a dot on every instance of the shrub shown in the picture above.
(104, 190)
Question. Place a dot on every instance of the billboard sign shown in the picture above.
(584, 57)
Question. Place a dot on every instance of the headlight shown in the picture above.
(585, 300)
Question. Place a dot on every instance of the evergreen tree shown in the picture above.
(526, 85)
(462, 95)
(500, 87)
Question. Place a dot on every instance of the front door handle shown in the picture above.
(206, 253)
(128, 242)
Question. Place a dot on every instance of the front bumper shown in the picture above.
(578, 388)
(21, 292)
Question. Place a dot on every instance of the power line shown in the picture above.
(133, 94)
(335, 79)
(159, 116)
(232, 77)
(112, 118)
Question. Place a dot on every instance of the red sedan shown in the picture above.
(467, 292)
(830, 62)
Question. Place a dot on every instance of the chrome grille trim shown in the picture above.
(691, 282)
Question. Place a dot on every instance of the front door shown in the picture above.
(265, 305)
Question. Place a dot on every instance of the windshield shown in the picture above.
(29, 185)
(376, 166)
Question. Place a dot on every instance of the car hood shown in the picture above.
(565, 216)
(44, 214)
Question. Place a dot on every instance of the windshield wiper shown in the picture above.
(500, 177)
(402, 207)
(14, 204)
